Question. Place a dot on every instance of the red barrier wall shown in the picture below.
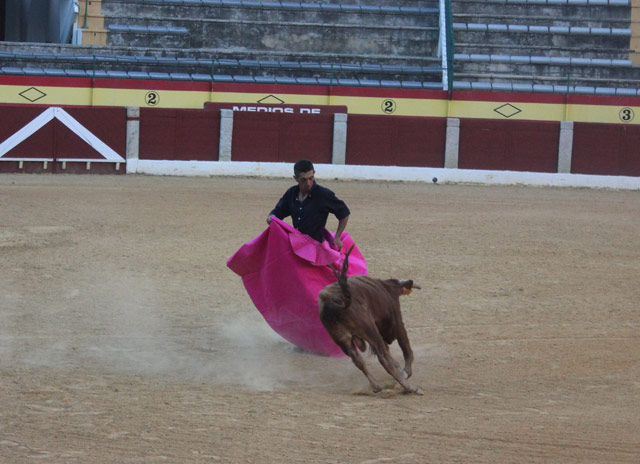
(509, 145)
(179, 134)
(108, 124)
(184, 134)
(606, 149)
(282, 137)
(38, 145)
(55, 140)
(396, 141)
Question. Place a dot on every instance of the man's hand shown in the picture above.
(269, 218)
(337, 242)
(342, 224)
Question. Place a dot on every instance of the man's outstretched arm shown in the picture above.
(342, 225)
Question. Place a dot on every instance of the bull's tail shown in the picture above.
(342, 277)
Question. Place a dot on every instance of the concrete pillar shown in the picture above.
(339, 155)
(452, 144)
(133, 132)
(226, 135)
(565, 147)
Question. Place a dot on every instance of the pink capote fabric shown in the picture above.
(283, 271)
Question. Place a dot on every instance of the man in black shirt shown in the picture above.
(309, 205)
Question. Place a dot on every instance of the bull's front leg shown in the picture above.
(407, 352)
(389, 364)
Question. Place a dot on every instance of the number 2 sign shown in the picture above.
(388, 106)
(152, 98)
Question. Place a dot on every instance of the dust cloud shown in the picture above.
(127, 326)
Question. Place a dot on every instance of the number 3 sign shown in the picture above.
(626, 115)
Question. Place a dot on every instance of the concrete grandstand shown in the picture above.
(562, 46)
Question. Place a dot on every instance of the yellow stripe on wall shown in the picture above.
(394, 106)
(84, 96)
(42, 95)
(150, 98)
(271, 98)
(513, 111)
(604, 114)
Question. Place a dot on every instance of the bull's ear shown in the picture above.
(407, 286)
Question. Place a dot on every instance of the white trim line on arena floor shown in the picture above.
(385, 173)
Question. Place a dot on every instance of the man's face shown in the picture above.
(305, 181)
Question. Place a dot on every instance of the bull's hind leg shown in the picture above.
(358, 360)
(348, 345)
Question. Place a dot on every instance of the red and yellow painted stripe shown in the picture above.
(50, 91)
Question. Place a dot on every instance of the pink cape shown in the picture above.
(283, 271)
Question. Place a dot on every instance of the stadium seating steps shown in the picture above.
(504, 45)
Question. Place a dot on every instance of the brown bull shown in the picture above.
(361, 310)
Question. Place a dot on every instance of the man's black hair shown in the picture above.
(302, 166)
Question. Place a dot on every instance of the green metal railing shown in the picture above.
(86, 9)
(450, 44)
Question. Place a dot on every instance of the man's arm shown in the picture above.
(281, 210)
(342, 225)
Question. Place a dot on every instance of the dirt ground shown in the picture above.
(124, 338)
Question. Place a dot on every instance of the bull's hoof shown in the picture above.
(376, 388)
(415, 391)
(386, 393)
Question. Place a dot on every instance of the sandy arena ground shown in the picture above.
(125, 339)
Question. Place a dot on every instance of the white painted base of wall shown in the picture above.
(387, 173)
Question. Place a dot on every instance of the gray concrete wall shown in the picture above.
(133, 132)
(226, 135)
(565, 148)
(339, 154)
